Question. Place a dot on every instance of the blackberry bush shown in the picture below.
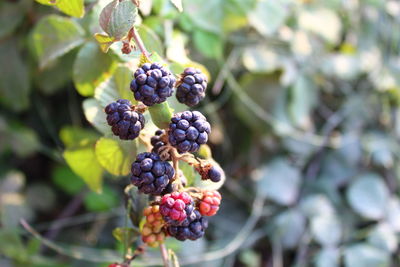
(188, 130)
(176, 208)
(125, 121)
(191, 88)
(153, 83)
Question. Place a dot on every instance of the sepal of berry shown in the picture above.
(209, 203)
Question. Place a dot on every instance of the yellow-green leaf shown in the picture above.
(91, 68)
(73, 8)
(82, 160)
(161, 115)
(116, 156)
(104, 41)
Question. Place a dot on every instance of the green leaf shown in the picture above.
(48, 2)
(279, 181)
(104, 41)
(91, 68)
(14, 77)
(95, 114)
(67, 180)
(80, 155)
(150, 39)
(324, 22)
(116, 156)
(116, 87)
(268, 16)
(54, 36)
(125, 235)
(178, 4)
(327, 257)
(261, 59)
(82, 160)
(57, 74)
(288, 227)
(209, 44)
(74, 136)
(22, 140)
(326, 229)
(364, 255)
(368, 196)
(73, 8)
(383, 237)
(161, 115)
(303, 99)
(122, 19)
(11, 15)
(103, 201)
(190, 174)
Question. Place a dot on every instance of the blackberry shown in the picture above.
(188, 130)
(125, 122)
(209, 203)
(193, 228)
(191, 87)
(150, 174)
(153, 229)
(214, 174)
(176, 207)
(152, 84)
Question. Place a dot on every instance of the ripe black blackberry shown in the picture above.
(188, 130)
(125, 122)
(191, 87)
(152, 84)
(192, 228)
(150, 174)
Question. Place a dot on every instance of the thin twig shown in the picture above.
(139, 43)
(164, 255)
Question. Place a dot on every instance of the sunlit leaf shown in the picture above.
(53, 36)
(116, 156)
(91, 67)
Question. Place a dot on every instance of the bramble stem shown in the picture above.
(135, 35)
(164, 255)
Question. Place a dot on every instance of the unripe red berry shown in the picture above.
(209, 203)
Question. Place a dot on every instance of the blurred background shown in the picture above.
(303, 100)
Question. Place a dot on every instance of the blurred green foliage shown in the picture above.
(304, 103)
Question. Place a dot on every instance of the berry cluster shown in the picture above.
(152, 231)
(176, 210)
(188, 130)
(152, 84)
(125, 122)
(150, 174)
(191, 88)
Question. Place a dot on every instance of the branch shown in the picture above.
(135, 35)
